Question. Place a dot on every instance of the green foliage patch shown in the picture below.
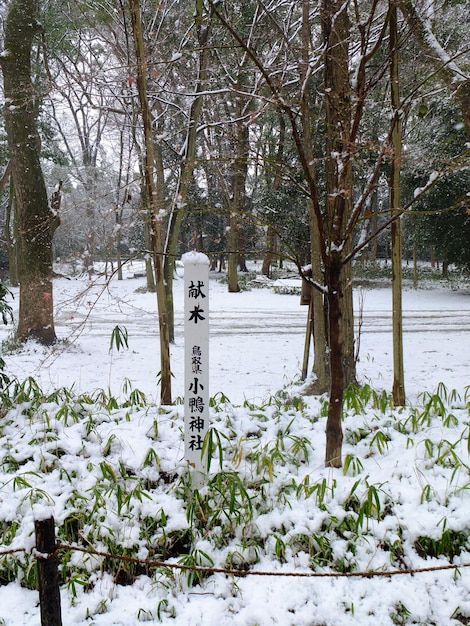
(110, 471)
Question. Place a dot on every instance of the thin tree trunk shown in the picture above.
(269, 252)
(347, 321)
(415, 266)
(321, 360)
(321, 352)
(155, 214)
(232, 254)
(445, 267)
(276, 183)
(238, 196)
(374, 221)
(334, 432)
(119, 206)
(398, 390)
(149, 273)
(187, 167)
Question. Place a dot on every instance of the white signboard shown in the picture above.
(196, 350)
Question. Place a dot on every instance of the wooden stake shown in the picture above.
(308, 341)
(48, 573)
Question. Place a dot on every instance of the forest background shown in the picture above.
(325, 133)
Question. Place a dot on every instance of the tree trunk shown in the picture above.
(276, 183)
(445, 267)
(232, 254)
(238, 195)
(347, 322)
(334, 432)
(155, 213)
(321, 360)
(321, 357)
(149, 274)
(187, 167)
(415, 266)
(335, 30)
(338, 161)
(36, 221)
(268, 254)
(374, 222)
(398, 389)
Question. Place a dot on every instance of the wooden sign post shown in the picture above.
(196, 350)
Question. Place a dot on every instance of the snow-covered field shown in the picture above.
(402, 501)
(257, 338)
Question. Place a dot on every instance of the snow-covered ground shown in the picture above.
(408, 483)
(257, 338)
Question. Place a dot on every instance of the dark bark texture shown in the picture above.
(338, 170)
(36, 223)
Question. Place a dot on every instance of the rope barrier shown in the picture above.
(12, 551)
(242, 573)
(237, 572)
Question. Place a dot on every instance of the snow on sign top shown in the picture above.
(195, 258)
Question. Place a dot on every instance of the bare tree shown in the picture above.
(334, 209)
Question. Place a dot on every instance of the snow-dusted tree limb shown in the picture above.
(446, 65)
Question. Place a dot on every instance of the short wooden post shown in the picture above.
(306, 298)
(308, 341)
(48, 573)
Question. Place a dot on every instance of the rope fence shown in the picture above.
(60, 547)
(12, 551)
(47, 552)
